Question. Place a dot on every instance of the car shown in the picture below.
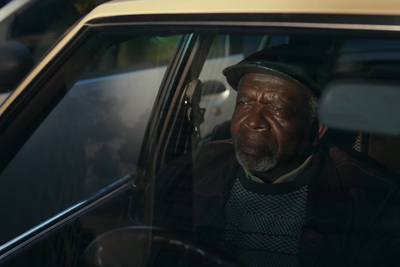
(136, 88)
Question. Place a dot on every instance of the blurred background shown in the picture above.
(28, 28)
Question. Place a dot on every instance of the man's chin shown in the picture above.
(256, 163)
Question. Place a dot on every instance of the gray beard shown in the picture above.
(256, 164)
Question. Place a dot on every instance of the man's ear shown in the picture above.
(321, 132)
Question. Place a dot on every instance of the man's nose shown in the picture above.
(258, 119)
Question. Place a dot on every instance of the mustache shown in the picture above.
(267, 146)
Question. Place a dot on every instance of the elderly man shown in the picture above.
(274, 195)
(274, 134)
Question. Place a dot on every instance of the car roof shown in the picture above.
(136, 7)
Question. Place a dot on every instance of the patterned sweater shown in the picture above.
(264, 221)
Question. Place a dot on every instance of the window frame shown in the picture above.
(31, 107)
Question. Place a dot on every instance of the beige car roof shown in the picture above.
(370, 7)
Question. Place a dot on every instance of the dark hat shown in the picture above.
(305, 65)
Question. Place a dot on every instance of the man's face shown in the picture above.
(271, 125)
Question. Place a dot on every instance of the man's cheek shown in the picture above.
(234, 129)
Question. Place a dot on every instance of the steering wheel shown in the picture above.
(129, 246)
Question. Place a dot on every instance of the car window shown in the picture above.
(92, 137)
(208, 192)
(218, 98)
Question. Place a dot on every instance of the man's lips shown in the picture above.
(252, 148)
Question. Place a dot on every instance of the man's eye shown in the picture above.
(239, 103)
(277, 110)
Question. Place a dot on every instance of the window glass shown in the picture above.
(93, 136)
(258, 181)
(218, 98)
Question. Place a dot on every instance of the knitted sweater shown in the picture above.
(263, 221)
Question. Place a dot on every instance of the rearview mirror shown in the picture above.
(361, 106)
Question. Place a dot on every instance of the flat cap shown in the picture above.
(305, 65)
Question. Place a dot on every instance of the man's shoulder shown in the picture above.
(351, 168)
(215, 165)
(214, 150)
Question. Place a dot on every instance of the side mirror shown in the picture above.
(214, 92)
(16, 61)
(361, 106)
